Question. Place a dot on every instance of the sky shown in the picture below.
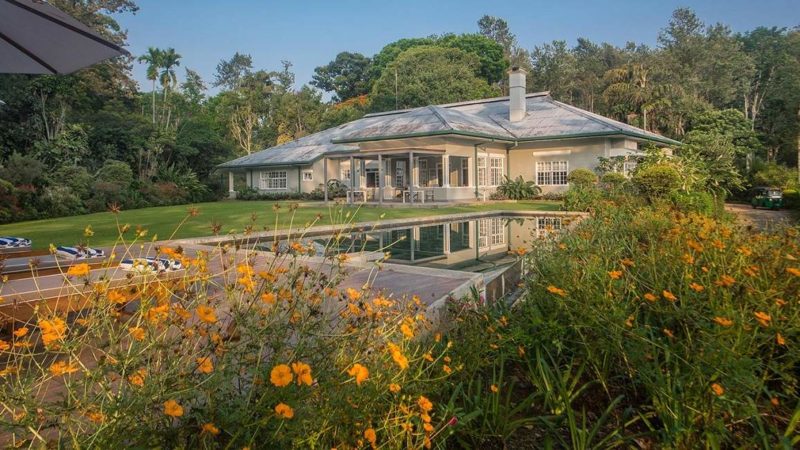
(311, 33)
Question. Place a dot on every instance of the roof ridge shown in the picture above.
(490, 116)
(455, 104)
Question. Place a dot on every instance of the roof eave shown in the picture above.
(424, 134)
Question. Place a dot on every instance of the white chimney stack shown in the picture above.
(516, 90)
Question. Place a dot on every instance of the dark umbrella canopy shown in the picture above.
(38, 38)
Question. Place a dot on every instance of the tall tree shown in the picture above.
(231, 72)
(168, 79)
(347, 76)
(153, 58)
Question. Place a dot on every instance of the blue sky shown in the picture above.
(311, 33)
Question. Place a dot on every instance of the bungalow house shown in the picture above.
(452, 152)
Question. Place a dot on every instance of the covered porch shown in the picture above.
(408, 176)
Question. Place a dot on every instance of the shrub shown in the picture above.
(776, 175)
(518, 189)
(791, 199)
(582, 177)
(581, 198)
(116, 172)
(23, 170)
(656, 180)
(698, 202)
(163, 193)
(61, 201)
(613, 180)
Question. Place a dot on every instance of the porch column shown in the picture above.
(446, 239)
(380, 179)
(411, 178)
(325, 177)
(231, 192)
(446, 171)
(352, 178)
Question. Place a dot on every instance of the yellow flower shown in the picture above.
(205, 365)
(116, 296)
(206, 314)
(780, 340)
(669, 295)
(303, 372)
(629, 322)
(494, 388)
(424, 404)
(136, 333)
(173, 408)
(94, 416)
(62, 367)
(687, 258)
(284, 411)
(281, 375)
(53, 330)
(722, 321)
(78, 270)
(447, 369)
(762, 318)
(615, 274)
(717, 389)
(428, 357)
(744, 251)
(627, 262)
(650, 297)
(557, 291)
(696, 287)
(20, 332)
(4, 345)
(361, 373)
(793, 271)
(398, 356)
(406, 330)
(394, 388)
(210, 428)
(667, 332)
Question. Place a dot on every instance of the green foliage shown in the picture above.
(613, 180)
(116, 172)
(429, 75)
(581, 198)
(23, 170)
(582, 178)
(347, 76)
(518, 189)
(776, 175)
(656, 181)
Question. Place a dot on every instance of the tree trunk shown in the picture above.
(154, 101)
(798, 147)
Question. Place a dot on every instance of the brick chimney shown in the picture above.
(516, 90)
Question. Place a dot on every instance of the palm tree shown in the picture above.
(630, 84)
(169, 60)
(153, 58)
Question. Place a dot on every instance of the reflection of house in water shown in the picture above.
(473, 245)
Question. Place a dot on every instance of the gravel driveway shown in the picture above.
(761, 218)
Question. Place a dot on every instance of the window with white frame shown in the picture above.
(551, 173)
(464, 181)
(273, 179)
(496, 171)
(491, 232)
(481, 171)
(345, 172)
(400, 174)
(308, 175)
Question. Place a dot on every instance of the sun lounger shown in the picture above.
(150, 264)
(79, 253)
(14, 242)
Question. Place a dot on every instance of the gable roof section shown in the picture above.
(546, 119)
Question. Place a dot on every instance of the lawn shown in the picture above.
(162, 222)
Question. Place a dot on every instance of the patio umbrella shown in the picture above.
(38, 38)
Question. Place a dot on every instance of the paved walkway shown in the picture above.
(761, 218)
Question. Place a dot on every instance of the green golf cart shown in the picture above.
(767, 197)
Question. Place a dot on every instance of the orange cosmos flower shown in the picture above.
(722, 321)
(398, 356)
(629, 322)
(206, 314)
(406, 330)
(627, 262)
(687, 258)
(210, 428)
(780, 340)
(557, 291)
(717, 389)
(137, 333)
(94, 416)
(173, 408)
(78, 270)
(668, 333)
(650, 297)
(284, 411)
(369, 435)
(353, 294)
(424, 404)
(20, 332)
(205, 365)
(696, 287)
(793, 271)
(360, 373)
(615, 274)
(53, 330)
(268, 298)
(762, 318)
(494, 388)
(137, 378)
(62, 367)
(281, 375)
(394, 388)
(725, 281)
(669, 295)
(4, 345)
(116, 296)
(303, 372)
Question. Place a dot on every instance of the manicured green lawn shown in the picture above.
(231, 215)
